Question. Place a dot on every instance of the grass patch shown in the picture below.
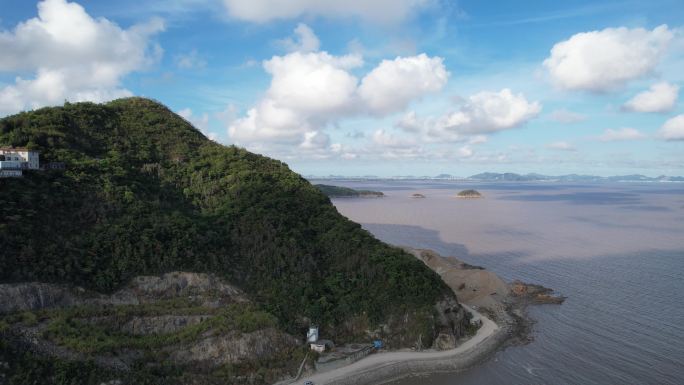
(26, 318)
(471, 329)
(70, 328)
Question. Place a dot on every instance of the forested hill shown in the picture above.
(144, 193)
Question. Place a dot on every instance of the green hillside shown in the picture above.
(144, 193)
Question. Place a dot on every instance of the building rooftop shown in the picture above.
(16, 149)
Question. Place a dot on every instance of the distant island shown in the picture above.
(469, 194)
(416, 195)
(346, 192)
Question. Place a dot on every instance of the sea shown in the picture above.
(615, 250)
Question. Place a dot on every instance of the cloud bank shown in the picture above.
(262, 11)
(310, 90)
(72, 56)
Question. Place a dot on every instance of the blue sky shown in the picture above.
(390, 87)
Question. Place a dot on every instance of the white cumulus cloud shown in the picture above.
(660, 97)
(481, 113)
(305, 40)
(673, 129)
(621, 134)
(315, 140)
(72, 56)
(261, 11)
(306, 91)
(604, 60)
(313, 83)
(394, 83)
(310, 91)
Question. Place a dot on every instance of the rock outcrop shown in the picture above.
(535, 294)
(164, 324)
(31, 296)
(452, 321)
(233, 348)
(193, 320)
(35, 295)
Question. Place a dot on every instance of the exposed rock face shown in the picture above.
(535, 293)
(446, 321)
(452, 320)
(181, 284)
(191, 319)
(235, 347)
(161, 324)
(34, 296)
(444, 342)
(143, 289)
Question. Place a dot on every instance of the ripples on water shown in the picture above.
(615, 250)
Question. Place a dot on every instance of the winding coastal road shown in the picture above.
(379, 360)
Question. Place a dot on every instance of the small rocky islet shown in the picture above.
(470, 193)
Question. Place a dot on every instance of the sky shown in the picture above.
(384, 87)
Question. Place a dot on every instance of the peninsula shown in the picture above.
(346, 192)
(156, 255)
(497, 308)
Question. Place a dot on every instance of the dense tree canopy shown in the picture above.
(144, 192)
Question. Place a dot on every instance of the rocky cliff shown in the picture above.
(196, 321)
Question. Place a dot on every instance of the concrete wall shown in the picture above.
(33, 160)
(11, 165)
(10, 173)
(350, 359)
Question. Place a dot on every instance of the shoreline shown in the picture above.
(504, 323)
(381, 368)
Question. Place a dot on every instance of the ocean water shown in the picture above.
(615, 250)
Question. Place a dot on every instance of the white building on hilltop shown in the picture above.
(15, 159)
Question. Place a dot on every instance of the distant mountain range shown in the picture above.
(513, 177)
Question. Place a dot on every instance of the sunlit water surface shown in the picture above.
(615, 250)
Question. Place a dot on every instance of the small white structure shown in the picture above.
(312, 335)
(15, 159)
(322, 345)
(320, 348)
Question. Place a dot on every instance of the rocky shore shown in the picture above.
(502, 307)
(388, 366)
